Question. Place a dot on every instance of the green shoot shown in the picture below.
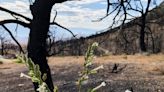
(87, 71)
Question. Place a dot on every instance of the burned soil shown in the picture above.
(140, 73)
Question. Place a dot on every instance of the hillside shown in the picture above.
(116, 41)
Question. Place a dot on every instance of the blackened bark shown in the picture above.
(142, 34)
(143, 26)
(2, 47)
(153, 45)
(40, 10)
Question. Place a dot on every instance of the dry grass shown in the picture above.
(112, 58)
(134, 58)
(159, 68)
(150, 63)
(62, 61)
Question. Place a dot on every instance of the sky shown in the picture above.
(78, 16)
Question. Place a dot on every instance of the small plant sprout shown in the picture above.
(35, 75)
(89, 56)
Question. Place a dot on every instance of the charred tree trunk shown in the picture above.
(143, 26)
(2, 47)
(142, 33)
(153, 45)
(40, 10)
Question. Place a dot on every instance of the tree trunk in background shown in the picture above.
(143, 26)
(2, 47)
(142, 34)
(40, 10)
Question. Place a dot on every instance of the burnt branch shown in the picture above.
(61, 1)
(55, 23)
(15, 21)
(56, 13)
(14, 13)
(21, 50)
(28, 19)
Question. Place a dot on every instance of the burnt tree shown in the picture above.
(124, 8)
(38, 33)
(39, 28)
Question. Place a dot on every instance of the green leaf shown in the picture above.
(56, 89)
(44, 77)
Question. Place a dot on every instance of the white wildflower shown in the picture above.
(128, 90)
(98, 87)
(100, 67)
(24, 75)
(95, 44)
